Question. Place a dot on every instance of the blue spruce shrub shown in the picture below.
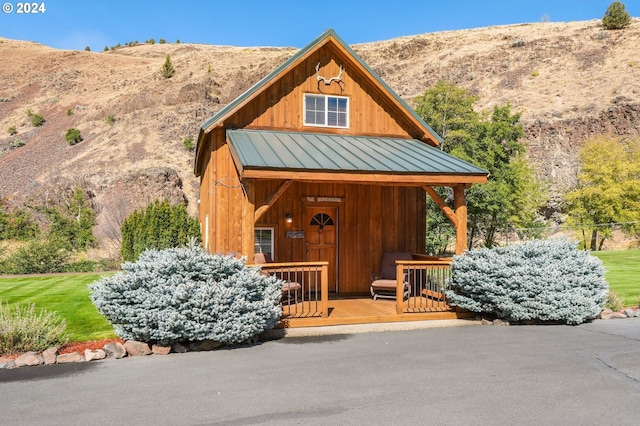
(185, 294)
(538, 280)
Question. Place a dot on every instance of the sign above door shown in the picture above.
(322, 199)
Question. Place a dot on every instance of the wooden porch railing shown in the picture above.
(427, 280)
(306, 290)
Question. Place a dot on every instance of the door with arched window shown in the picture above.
(321, 238)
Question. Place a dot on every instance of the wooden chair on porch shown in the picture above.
(290, 289)
(383, 284)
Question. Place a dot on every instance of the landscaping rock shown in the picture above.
(630, 313)
(135, 348)
(91, 354)
(68, 358)
(7, 362)
(50, 355)
(114, 350)
(605, 314)
(205, 345)
(178, 348)
(609, 314)
(160, 350)
(252, 340)
(29, 359)
(498, 321)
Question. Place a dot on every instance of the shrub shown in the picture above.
(37, 257)
(73, 136)
(188, 144)
(167, 67)
(616, 17)
(13, 131)
(17, 143)
(614, 301)
(111, 119)
(37, 120)
(69, 112)
(72, 221)
(23, 329)
(184, 294)
(17, 225)
(538, 280)
(82, 266)
(87, 49)
(159, 226)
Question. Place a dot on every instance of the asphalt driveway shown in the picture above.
(481, 375)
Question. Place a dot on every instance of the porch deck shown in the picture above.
(364, 310)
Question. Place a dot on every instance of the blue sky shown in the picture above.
(75, 24)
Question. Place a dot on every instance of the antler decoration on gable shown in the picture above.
(328, 81)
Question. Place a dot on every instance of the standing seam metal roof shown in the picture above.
(277, 150)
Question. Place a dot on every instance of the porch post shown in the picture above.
(324, 289)
(248, 221)
(460, 205)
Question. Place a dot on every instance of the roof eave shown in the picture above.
(378, 178)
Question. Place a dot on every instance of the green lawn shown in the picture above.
(623, 273)
(68, 295)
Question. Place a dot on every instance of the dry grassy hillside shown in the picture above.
(571, 81)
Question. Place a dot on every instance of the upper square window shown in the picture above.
(326, 111)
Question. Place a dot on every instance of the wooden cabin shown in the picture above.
(320, 161)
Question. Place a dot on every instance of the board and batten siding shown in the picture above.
(280, 106)
(221, 198)
(371, 219)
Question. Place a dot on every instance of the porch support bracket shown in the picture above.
(448, 211)
(458, 217)
(260, 211)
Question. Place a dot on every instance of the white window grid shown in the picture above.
(326, 111)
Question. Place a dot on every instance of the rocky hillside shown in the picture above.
(571, 81)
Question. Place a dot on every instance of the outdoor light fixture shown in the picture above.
(288, 218)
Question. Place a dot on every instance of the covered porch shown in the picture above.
(307, 301)
(371, 190)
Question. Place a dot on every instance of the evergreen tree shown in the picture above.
(537, 280)
(18, 225)
(159, 226)
(186, 295)
(616, 17)
(167, 67)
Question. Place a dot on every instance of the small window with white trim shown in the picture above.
(263, 241)
(326, 111)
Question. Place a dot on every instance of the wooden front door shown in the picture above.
(321, 235)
